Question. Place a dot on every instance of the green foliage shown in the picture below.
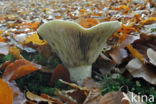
(138, 86)
(40, 59)
(153, 29)
(36, 82)
(6, 58)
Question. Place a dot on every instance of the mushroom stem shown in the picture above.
(80, 73)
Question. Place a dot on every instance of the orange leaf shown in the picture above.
(33, 25)
(23, 70)
(2, 39)
(135, 53)
(149, 21)
(6, 93)
(18, 69)
(87, 23)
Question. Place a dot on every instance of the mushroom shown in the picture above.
(77, 47)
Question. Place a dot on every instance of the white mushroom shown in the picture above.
(76, 46)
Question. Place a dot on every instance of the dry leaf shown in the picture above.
(15, 52)
(152, 56)
(4, 48)
(135, 53)
(2, 39)
(60, 72)
(93, 97)
(5, 64)
(34, 97)
(34, 38)
(140, 70)
(114, 98)
(50, 98)
(18, 69)
(6, 93)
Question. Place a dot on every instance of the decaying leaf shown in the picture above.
(18, 69)
(36, 98)
(2, 39)
(79, 95)
(152, 56)
(93, 97)
(141, 70)
(135, 53)
(15, 52)
(5, 64)
(18, 95)
(60, 72)
(4, 48)
(34, 38)
(115, 98)
(6, 93)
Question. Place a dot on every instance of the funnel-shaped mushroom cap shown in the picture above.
(74, 44)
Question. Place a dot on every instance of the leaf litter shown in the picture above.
(131, 48)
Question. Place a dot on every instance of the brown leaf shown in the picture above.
(93, 97)
(5, 64)
(60, 72)
(50, 98)
(114, 98)
(18, 69)
(140, 70)
(91, 83)
(34, 97)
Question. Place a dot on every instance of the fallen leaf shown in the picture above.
(93, 97)
(18, 69)
(135, 53)
(114, 98)
(34, 38)
(4, 48)
(148, 21)
(60, 72)
(50, 98)
(91, 83)
(152, 56)
(36, 98)
(18, 95)
(140, 70)
(6, 93)
(2, 39)
(15, 52)
(77, 95)
(5, 64)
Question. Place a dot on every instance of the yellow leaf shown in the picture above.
(15, 52)
(34, 38)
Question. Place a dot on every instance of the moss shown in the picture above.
(6, 58)
(138, 86)
(38, 82)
